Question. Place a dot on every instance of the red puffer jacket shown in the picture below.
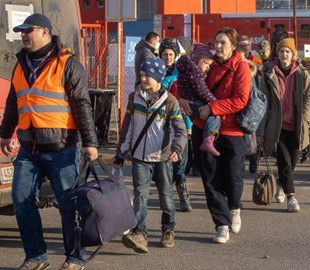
(232, 95)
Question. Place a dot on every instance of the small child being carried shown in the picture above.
(192, 86)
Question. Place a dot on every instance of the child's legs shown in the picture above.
(163, 172)
(212, 126)
(142, 173)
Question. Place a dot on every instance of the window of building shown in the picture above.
(279, 26)
(86, 4)
(146, 9)
(100, 4)
(304, 31)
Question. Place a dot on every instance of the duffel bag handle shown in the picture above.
(89, 167)
(107, 170)
(83, 174)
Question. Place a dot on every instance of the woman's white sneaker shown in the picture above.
(280, 196)
(235, 221)
(222, 235)
(292, 205)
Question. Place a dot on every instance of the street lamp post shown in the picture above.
(295, 23)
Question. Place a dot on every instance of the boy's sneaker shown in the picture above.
(208, 145)
(137, 241)
(34, 266)
(185, 204)
(280, 196)
(168, 239)
(222, 235)
(71, 266)
(235, 221)
(292, 205)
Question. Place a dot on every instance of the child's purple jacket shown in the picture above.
(191, 81)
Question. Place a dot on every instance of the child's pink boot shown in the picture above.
(208, 146)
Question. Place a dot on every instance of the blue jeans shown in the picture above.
(179, 168)
(213, 123)
(161, 173)
(61, 168)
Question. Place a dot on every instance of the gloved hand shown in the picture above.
(118, 162)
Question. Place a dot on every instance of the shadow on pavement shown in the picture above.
(45, 230)
(116, 253)
(9, 229)
(281, 211)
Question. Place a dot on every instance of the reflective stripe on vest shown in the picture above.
(45, 104)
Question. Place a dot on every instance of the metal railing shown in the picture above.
(95, 52)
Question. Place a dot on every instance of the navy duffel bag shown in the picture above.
(96, 211)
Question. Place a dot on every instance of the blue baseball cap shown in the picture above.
(32, 20)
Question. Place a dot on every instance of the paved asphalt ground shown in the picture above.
(270, 237)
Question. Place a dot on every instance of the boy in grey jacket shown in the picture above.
(162, 144)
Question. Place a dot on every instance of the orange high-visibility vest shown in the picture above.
(45, 104)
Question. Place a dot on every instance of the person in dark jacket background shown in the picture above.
(49, 101)
(145, 49)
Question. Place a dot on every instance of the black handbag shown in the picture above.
(95, 211)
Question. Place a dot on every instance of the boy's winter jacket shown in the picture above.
(166, 134)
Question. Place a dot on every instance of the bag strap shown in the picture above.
(217, 85)
(146, 126)
(88, 167)
(261, 150)
(107, 170)
(83, 175)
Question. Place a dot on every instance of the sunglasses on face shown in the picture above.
(29, 30)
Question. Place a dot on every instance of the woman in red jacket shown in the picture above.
(230, 81)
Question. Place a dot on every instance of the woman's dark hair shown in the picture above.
(168, 43)
(231, 33)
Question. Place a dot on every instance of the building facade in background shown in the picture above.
(93, 11)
